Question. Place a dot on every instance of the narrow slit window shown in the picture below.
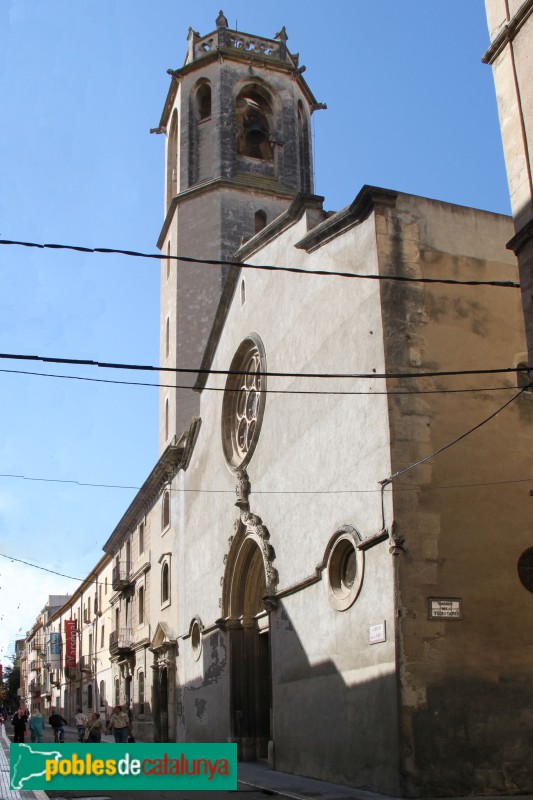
(165, 521)
(260, 220)
(165, 584)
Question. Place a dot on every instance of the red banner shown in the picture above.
(70, 642)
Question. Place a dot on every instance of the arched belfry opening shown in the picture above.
(255, 121)
(248, 583)
(203, 101)
(304, 150)
(172, 159)
(200, 133)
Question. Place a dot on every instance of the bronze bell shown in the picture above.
(255, 135)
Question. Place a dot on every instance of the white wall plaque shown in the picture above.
(445, 608)
(376, 633)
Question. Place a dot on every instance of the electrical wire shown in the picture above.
(45, 569)
(64, 480)
(268, 267)
(263, 391)
(265, 374)
(388, 480)
(406, 487)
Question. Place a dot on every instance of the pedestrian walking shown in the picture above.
(57, 722)
(81, 722)
(93, 734)
(119, 723)
(19, 724)
(36, 726)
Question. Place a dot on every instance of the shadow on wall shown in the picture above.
(321, 723)
(336, 719)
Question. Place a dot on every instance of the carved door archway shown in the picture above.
(164, 649)
(249, 578)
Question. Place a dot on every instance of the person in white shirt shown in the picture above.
(80, 721)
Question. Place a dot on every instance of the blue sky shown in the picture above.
(410, 107)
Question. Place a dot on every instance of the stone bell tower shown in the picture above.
(238, 150)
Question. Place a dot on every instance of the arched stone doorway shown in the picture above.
(164, 649)
(249, 578)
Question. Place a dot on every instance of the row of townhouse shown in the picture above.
(108, 643)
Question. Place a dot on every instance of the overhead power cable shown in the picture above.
(200, 371)
(70, 481)
(479, 389)
(389, 480)
(268, 267)
(37, 566)
(405, 487)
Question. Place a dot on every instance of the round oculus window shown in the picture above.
(525, 569)
(244, 401)
(344, 572)
(196, 640)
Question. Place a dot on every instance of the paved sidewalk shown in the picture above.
(258, 775)
(5, 792)
(255, 776)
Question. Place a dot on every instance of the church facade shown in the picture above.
(326, 564)
(319, 600)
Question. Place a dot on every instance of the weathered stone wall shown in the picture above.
(463, 516)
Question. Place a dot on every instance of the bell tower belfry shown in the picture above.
(238, 150)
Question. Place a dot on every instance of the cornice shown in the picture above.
(508, 32)
(366, 201)
(223, 53)
(88, 581)
(164, 470)
(142, 643)
(521, 238)
(142, 570)
(287, 218)
(211, 185)
(190, 442)
(169, 102)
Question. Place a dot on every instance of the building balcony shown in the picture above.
(72, 673)
(121, 576)
(35, 687)
(120, 642)
(86, 664)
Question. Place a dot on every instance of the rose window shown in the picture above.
(243, 403)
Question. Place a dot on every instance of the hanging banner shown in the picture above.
(70, 642)
(55, 650)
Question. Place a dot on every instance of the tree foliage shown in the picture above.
(9, 686)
